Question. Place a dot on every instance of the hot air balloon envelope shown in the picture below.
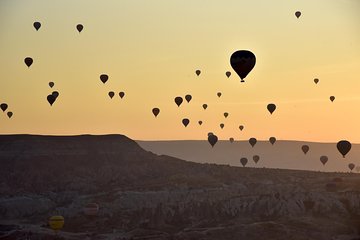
(242, 61)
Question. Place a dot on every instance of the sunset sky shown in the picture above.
(151, 49)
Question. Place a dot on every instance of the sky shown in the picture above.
(151, 49)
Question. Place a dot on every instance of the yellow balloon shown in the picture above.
(56, 222)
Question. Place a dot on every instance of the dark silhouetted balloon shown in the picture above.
(316, 80)
(212, 139)
(3, 107)
(178, 101)
(185, 122)
(332, 98)
(188, 98)
(351, 166)
(226, 114)
(252, 141)
(222, 125)
(219, 94)
(271, 107)
(323, 159)
(231, 140)
(228, 74)
(28, 61)
(242, 62)
(198, 72)
(55, 94)
(9, 114)
(37, 25)
(121, 94)
(272, 140)
(156, 111)
(243, 161)
(241, 127)
(297, 14)
(111, 94)
(200, 122)
(204, 106)
(343, 147)
(79, 27)
(51, 99)
(256, 158)
(51, 84)
(104, 78)
(305, 148)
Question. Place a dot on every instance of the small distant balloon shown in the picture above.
(242, 61)
(252, 141)
(316, 80)
(305, 148)
(51, 84)
(228, 74)
(323, 159)
(178, 101)
(104, 78)
(272, 140)
(200, 122)
(297, 14)
(271, 107)
(111, 94)
(222, 125)
(121, 94)
(56, 223)
(51, 99)
(55, 94)
(219, 94)
(9, 114)
(185, 122)
(188, 98)
(332, 98)
(212, 139)
(204, 106)
(351, 166)
(37, 25)
(79, 27)
(3, 107)
(156, 111)
(226, 114)
(28, 61)
(241, 127)
(243, 161)
(197, 72)
(231, 140)
(256, 158)
(343, 147)
(357, 168)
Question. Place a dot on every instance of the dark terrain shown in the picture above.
(146, 196)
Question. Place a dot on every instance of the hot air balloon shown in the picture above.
(242, 62)
(226, 114)
(212, 139)
(323, 159)
(222, 125)
(204, 106)
(178, 101)
(156, 111)
(252, 141)
(55, 94)
(271, 107)
(343, 147)
(297, 14)
(79, 27)
(91, 209)
(305, 148)
(37, 25)
(241, 127)
(104, 78)
(51, 99)
(332, 98)
(316, 80)
(185, 122)
(188, 98)
(121, 94)
(256, 158)
(3, 107)
(357, 169)
(351, 166)
(231, 140)
(111, 94)
(228, 74)
(56, 223)
(51, 84)
(198, 72)
(219, 94)
(243, 161)
(272, 140)
(28, 61)
(200, 122)
(9, 114)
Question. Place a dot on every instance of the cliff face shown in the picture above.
(145, 196)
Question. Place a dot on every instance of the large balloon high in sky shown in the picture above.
(242, 61)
